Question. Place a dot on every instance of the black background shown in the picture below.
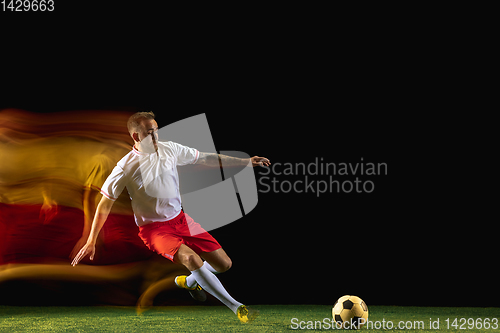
(294, 92)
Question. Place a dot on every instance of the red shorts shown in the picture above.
(165, 238)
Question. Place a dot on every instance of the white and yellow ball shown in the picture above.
(350, 312)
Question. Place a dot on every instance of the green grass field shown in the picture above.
(273, 318)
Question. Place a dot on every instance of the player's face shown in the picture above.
(148, 127)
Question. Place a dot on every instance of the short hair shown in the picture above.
(134, 121)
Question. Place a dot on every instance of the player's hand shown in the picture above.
(260, 161)
(88, 248)
(78, 246)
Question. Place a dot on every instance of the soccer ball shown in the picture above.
(350, 312)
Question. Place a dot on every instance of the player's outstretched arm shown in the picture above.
(212, 159)
(100, 217)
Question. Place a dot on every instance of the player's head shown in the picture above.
(141, 124)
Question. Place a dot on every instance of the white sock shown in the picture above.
(211, 284)
(191, 281)
(210, 268)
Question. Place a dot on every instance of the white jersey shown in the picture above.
(151, 180)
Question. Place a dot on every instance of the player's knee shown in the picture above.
(194, 261)
(191, 260)
(225, 266)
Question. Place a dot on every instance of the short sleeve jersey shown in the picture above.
(151, 181)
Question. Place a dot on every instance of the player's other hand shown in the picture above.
(87, 249)
(78, 246)
(260, 161)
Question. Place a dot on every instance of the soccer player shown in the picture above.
(163, 226)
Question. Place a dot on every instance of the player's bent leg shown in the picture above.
(219, 261)
(187, 257)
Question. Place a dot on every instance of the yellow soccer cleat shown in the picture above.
(196, 292)
(246, 315)
(180, 281)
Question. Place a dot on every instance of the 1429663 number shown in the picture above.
(471, 323)
(28, 5)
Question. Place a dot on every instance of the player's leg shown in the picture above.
(161, 238)
(185, 256)
(206, 279)
(200, 241)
